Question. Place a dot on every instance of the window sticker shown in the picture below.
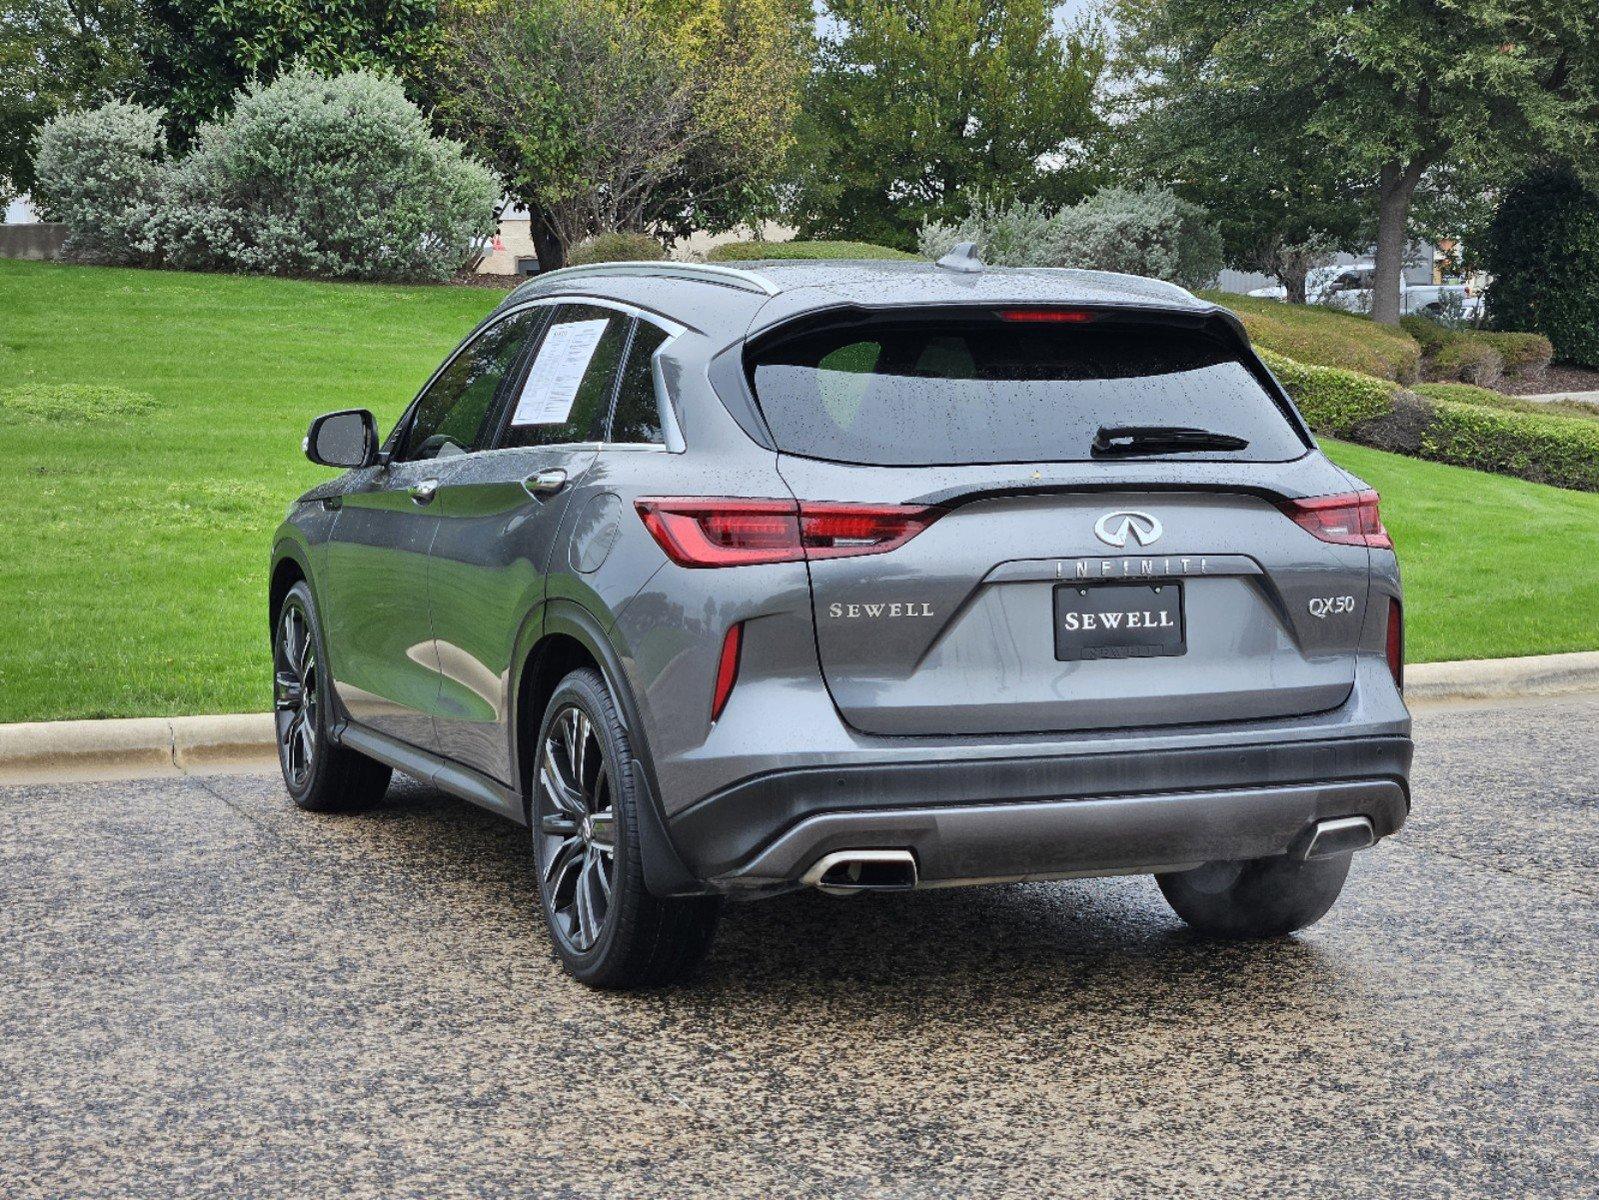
(552, 384)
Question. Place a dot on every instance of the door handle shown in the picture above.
(543, 484)
(423, 493)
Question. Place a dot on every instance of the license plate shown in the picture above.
(1118, 620)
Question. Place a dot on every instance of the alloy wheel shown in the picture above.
(575, 829)
(294, 689)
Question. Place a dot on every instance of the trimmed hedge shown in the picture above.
(1525, 354)
(1464, 393)
(1333, 401)
(1445, 423)
(1539, 251)
(1476, 356)
(1562, 451)
(1469, 360)
(1325, 337)
(616, 247)
(769, 251)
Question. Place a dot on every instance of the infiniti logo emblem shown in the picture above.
(1114, 527)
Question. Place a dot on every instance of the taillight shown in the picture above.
(1047, 316)
(1348, 520)
(701, 532)
(1396, 643)
(727, 669)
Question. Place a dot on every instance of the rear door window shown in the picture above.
(993, 392)
(637, 418)
(565, 395)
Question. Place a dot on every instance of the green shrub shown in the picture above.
(616, 247)
(1325, 337)
(772, 251)
(1429, 334)
(1540, 250)
(101, 173)
(1468, 359)
(1147, 231)
(1545, 449)
(336, 176)
(1525, 354)
(1465, 393)
(1333, 401)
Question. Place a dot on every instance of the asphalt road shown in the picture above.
(206, 992)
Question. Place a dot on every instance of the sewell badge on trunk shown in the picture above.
(1117, 620)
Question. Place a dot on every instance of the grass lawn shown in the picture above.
(152, 425)
(1325, 337)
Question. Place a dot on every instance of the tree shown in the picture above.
(201, 52)
(610, 115)
(57, 55)
(917, 105)
(1391, 90)
(1540, 249)
(1281, 203)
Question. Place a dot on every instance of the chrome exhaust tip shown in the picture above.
(1339, 836)
(848, 872)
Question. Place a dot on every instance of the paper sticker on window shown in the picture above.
(557, 373)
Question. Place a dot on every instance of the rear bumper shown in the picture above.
(1012, 819)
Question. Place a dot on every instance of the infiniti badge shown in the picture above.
(1113, 528)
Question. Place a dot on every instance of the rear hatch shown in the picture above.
(1050, 587)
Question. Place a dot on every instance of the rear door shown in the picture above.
(500, 515)
(1057, 591)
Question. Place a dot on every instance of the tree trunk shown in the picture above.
(547, 244)
(1294, 277)
(1396, 183)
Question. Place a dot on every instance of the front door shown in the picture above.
(374, 584)
(500, 521)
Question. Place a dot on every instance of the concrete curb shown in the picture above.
(42, 750)
(39, 751)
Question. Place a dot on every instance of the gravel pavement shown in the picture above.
(204, 992)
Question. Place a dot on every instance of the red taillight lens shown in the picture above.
(1351, 519)
(1396, 643)
(697, 532)
(727, 669)
(1047, 316)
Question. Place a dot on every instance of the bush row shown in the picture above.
(754, 251)
(1147, 231)
(1446, 426)
(1325, 337)
(336, 176)
(1476, 356)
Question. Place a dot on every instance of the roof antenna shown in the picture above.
(963, 258)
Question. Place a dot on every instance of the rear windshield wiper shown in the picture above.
(1160, 439)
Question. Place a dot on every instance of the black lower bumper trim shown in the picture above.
(724, 833)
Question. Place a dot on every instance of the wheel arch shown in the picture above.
(561, 637)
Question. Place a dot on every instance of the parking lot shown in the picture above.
(204, 991)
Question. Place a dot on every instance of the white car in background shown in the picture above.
(1350, 288)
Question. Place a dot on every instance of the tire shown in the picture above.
(607, 928)
(1261, 898)
(320, 775)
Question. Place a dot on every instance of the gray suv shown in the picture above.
(854, 576)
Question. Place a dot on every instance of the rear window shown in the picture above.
(924, 395)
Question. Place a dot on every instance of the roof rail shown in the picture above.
(747, 281)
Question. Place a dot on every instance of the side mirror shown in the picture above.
(343, 439)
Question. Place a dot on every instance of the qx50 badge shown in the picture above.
(1115, 527)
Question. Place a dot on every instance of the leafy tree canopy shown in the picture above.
(1390, 91)
(57, 55)
(916, 105)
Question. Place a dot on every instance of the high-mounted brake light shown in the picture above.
(712, 532)
(1350, 519)
(1396, 642)
(1047, 316)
